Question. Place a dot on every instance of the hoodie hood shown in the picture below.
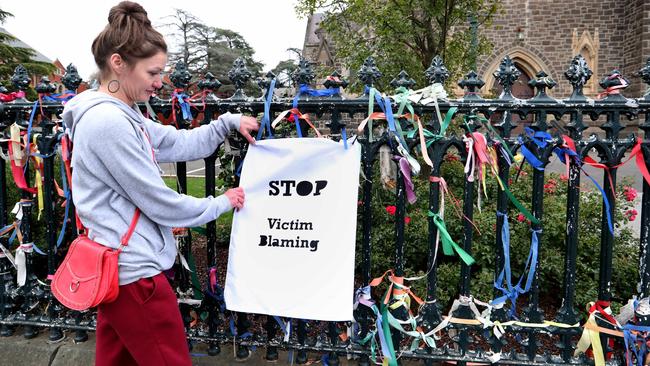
(76, 107)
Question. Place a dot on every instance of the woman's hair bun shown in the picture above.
(129, 9)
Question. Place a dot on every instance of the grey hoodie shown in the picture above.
(114, 172)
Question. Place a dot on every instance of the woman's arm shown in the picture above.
(172, 145)
(118, 159)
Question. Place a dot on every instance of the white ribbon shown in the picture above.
(180, 255)
(21, 262)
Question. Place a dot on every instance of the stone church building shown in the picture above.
(546, 35)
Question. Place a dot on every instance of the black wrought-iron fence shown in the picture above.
(471, 331)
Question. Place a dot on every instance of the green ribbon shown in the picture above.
(371, 108)
(198, 295)
(448, 244)
(402, 99)
(519, 206)
(412, 333)
(373, 342)
(389, 339)
(430, 137)
(200, 230)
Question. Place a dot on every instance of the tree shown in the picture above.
(184, 26)
(205, 48)
(285, 68)
(402, 34)
(12, 56)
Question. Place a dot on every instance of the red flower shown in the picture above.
(630, 193)
(631, 214)
(564, 177)
(521, 217)
(407, 220)
(452, 157)
(550, 188)
(391, 210)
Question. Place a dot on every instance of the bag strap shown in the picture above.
(125, 239)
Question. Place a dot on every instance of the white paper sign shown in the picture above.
(292, 245)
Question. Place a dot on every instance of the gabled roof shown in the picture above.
(313, 25)
(18, 43)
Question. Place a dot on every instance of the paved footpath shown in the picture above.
(18, 351)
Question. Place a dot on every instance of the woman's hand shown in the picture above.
(236, 197)
(246, 125)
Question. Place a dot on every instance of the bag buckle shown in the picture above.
(74, 286)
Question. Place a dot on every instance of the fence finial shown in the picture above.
(402, 80)
(71, 79)
(507, 75)
(239, 75)
(335, 81)
(541, 83)
(613, 83)
(209, 82)
(45, 86)
(20, 78)
(369, 73)
(472, 83)
(303, 74)
(578, 74)
(437, 72)
(181, 76)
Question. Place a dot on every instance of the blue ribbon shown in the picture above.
(59, 97)
(631, 343)
(305, 89)
(266, 118)
(68, 202)
(509, 292)
(238, 172)
(531, 262)
(539, 138)
(29, 130)
(233, 331)
(561, 153)
(185, 106)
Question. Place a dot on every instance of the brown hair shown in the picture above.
(129, 33)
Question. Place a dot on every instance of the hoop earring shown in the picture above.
(115, 86)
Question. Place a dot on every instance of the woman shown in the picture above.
(115, 172)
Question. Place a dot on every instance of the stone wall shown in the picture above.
(611, 34)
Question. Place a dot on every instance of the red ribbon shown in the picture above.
(616, 89)
(11, 96)
(637, 152)
(305, 117)
(213, 279)
(18, 173)
(600, 307)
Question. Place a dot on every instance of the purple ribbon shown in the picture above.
(406, 174)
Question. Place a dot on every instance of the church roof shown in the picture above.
(18, 43)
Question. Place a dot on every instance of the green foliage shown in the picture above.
(401, 34)
(12, 56)
(552, 240)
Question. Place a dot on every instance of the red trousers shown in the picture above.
(143, 326)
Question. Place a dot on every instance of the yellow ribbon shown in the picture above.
(38, 164)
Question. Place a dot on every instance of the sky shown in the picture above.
(66, 29)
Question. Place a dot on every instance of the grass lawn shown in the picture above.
(196, 188)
